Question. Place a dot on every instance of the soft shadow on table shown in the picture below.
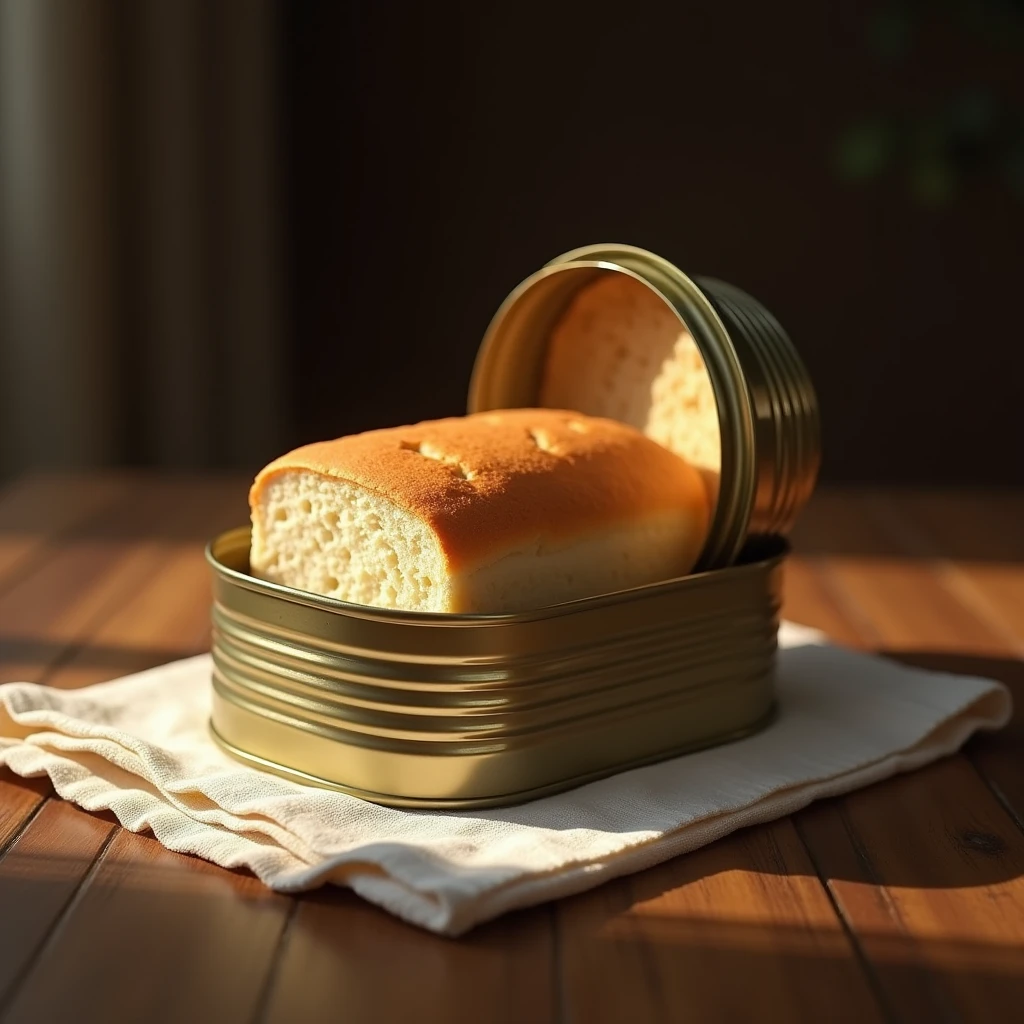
(633, 935)
(710, 927)
(640, 910)
(683, 928)
(631, 939)
(989, 864)
(97, 662)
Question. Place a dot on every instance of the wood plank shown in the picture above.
(811, 601)
(1001, 510)
(947, 627)
(139, 594)
(155, 936)
(327, 965)
(737, 930)
(997, 757)
(95, 570)
(892, 596)
(18, 802)
(925, 868)
(734, 918)
(991, 584)
(33, 512)
(36, 509)
(347, 960)
(167, 617)
(39, 875)
(663, 945)
(972, 526)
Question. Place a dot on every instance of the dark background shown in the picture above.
(857, 166)
(447, 156)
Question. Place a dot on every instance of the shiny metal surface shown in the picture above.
(462, 711)
(768, 411)
(465, 711)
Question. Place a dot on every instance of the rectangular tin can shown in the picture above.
(455, 711)
(452, 711)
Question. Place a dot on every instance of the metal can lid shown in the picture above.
(696, 364)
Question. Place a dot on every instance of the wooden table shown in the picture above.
(902, 902)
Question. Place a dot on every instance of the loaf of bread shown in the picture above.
(495, 512)
(620, 351)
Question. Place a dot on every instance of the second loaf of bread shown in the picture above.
(620, 350)
(495, 512)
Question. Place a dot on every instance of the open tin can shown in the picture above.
(460, 711)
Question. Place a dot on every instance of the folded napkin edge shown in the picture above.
(951, 734)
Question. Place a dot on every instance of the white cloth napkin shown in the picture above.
(139, 746)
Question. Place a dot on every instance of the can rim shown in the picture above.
(775, 555)
(735, 503)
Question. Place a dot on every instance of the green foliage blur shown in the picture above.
(975, 132)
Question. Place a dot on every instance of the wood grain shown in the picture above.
(987, 577)
(926, 869)
(123, 594)
(809, 599)
(155, 936)
(741, 924)
(165, 617)
(893, 598)
(17, 804)
(93, 571)
(344, 959)
(36, 510)
(39, 875)
(991, 589)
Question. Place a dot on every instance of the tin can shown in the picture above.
(461, 711)
(469, 711)
(767, 408)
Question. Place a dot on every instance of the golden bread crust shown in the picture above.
(489, 481)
